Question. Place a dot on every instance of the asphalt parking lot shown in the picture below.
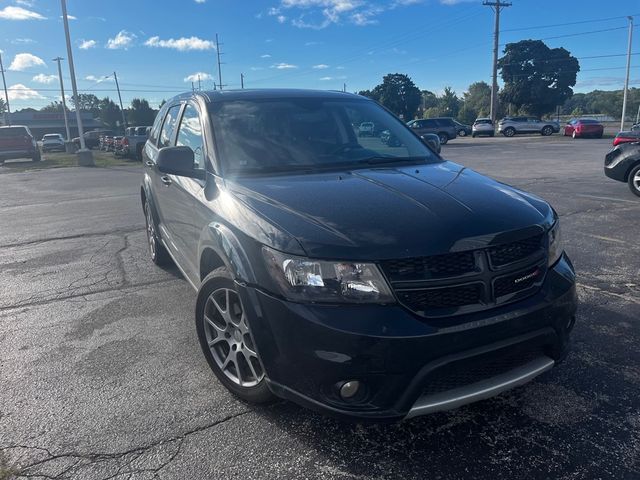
(101, 374)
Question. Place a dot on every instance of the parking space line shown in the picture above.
(606, 239)
(607, 292)
(606, 198)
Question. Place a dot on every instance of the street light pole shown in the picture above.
(124, 120)
(64, 102)
(7, 112)
(85, 158)
(626, 80)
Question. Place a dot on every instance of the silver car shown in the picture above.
(482, 126)
(510, 126)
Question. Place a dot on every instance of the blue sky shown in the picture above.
(155, 46)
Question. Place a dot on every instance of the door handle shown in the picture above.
(149, 163)
(166, 180)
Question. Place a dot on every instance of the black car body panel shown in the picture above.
(619, 162)
(396, 217)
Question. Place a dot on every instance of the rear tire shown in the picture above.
(444, 138)
(546, 131)
(634, 180)
(462, 133)
(225, 339)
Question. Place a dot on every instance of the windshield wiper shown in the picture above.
(381, 160)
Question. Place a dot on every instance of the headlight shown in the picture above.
(306, 280)
(555, 243)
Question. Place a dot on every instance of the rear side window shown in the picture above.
(190, 135)
(445, 122)
(428, 124)
(166, 134)
(13, 132)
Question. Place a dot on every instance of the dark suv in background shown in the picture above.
(354, 277)
(445, 128)
(18, 142)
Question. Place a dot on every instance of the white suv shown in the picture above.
(482, 126)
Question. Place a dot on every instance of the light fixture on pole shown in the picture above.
(85, 158)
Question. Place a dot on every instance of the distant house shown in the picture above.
(41, 123)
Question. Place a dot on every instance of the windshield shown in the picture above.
(282, 135)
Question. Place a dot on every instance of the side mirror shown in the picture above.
(431, 141)
(178, 161)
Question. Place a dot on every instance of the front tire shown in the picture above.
(158, 253)
(634, 180)
(546, 131)
(444, 138)
(462, 133)
(509, 132)
(226, 341)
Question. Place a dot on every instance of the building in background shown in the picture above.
(41, 123)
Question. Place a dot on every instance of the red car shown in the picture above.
(584, 127)
(626, 137)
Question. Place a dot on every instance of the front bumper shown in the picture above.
(308, 350)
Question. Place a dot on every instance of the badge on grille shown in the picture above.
(528, 276)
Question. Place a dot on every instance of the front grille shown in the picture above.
(475, 369)
(469, 281)
(445, 297)
(515, 251)
(516, 282)
(437, 266)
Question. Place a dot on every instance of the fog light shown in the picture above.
(349, 389)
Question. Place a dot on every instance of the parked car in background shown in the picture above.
(463, 130)
(53, 141)
(623, 164)
(431, 139)
(510, 126)
(366, 129)
(108, 143)
(444, 127)
(482, 126)
(362, 281)
(116, 146)
(92, 138)
(583, 127)
(134, 140)
(17, 142)
(631, 136)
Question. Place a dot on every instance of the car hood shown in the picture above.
(383, 213)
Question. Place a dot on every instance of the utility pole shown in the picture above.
(7, 112)
(242, 80)
(496, 6)
(219, 63)
(193, 89)
(64, 102)
(85, 158)
(626, 80)
(344, 87)
(124, 120)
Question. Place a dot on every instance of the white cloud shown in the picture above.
(182, 44)
(94, 78)
(22, 61)
(281, 18)
(70, 17)
(22, 41)
(22, 92)
(283, 66)
(320, 66)
(194, 77)
(324, 79)
(200, 1)
(42, 78)
(87, 44)
(19, 13)
(123, 40)
(255, 69)
(266, 55)
(25, 3)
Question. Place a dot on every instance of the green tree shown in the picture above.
(537, 78)
(140, 112)
(449, 103)
(87, 102)
(54, 106)
(398, 93)
(110, 114)
(3, 106)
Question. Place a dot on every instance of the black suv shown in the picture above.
(351, 276)
(445, 128)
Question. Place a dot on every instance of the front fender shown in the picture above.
(224, 243)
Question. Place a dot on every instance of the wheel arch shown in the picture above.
(633, 164)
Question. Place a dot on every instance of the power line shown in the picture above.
(569, 23)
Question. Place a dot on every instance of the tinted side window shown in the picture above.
(429, 124)
(168, 126)
(190, 135)
(445, 122)
(13, 132)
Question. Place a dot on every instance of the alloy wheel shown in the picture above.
(229, 340)
(636, 181)
(151, 232)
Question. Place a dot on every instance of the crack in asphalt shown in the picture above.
(116, 231)
(87, 460)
